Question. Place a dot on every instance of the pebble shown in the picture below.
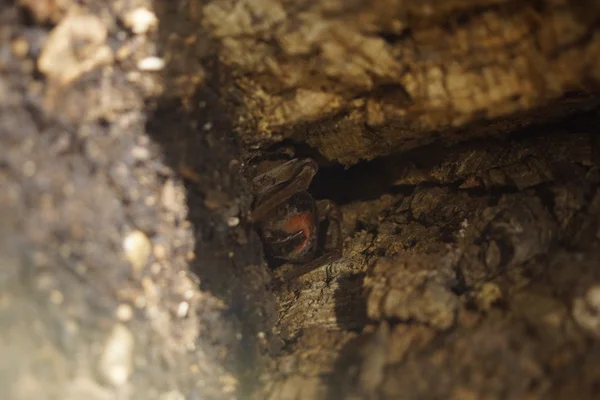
(233, 221)
(74, 47)
(592, 298)
(124, 312)
(137, 249)
(190, 256)
(140, 153)
(141, 20)
(183, 309)
(586, 310)
(160, 252)
(172, 196)
(151, 64)
(116, 362)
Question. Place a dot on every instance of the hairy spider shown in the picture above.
(294, 227)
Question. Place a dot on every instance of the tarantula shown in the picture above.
(294, 227)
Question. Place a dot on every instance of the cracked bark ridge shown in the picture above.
(458, 292)
(494, 163)
(506, 236)
(363, 79)
(509, 337)
(412, 289)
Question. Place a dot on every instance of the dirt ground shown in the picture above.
(129, 270)
(113, 209)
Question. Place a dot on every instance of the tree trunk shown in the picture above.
(470, 257)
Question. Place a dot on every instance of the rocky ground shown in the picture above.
(110, 205)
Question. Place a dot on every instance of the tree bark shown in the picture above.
(360, 80)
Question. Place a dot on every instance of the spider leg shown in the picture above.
(250, 161)
(279, 184)
(327, 210)
(286, 153)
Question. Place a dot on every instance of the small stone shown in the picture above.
(124, 312)
(116, 362)
(160, 252)
(141, 20)
(188, 294)
(183, 309)
(137, 248)
(140, 153)
(586, 310)
(76, 46)
(172, 196)
(592, 298)
(233, 221)
(151, 64)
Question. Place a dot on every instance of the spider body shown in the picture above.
(294, 227)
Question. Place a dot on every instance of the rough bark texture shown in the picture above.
(451, 292)
(361, 79)
(470, 270)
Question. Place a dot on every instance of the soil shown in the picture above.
(114, 207)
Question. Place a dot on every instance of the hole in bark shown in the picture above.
(392, 38)
(432, 164)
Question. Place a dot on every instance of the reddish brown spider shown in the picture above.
(289, 220)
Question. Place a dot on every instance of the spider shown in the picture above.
(293, 226)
